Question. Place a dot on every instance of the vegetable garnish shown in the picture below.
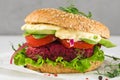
(74, 10)
(106, 43)
(71, 42)
(112, 69)
(38, 36)
(36, 42)
(79, 44)
(113, 57)
(13, 47)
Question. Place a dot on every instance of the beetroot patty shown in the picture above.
(54, 50)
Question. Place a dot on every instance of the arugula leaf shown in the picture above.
(74, 10)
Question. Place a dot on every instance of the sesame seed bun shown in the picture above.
(67, 21)
(59, 68)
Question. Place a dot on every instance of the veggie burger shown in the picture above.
(61, 42)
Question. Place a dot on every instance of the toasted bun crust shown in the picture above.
(67, 21)
(59, 68)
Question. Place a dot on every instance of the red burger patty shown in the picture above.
(54, 50)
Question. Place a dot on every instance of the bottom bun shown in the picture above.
(59, 68)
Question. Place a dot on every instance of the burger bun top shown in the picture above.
(67, 21)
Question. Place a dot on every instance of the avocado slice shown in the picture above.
(40, 31)
(106, 43)
(38, 36)
(88, 41)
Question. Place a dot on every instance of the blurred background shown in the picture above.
(13, 12)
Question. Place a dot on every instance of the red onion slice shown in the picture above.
(71, 41)
(21, 47)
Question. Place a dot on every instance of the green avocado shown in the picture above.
(41, 31)
(106, 43)
(88, 41)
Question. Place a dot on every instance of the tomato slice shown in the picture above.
(79, 44)
(39, 42)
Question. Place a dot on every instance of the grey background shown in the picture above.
(13, 12)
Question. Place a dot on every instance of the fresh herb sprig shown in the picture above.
(74, 10)
(19, 45)
(13, 48)
(114, 70)
(113, 57)
(111, 70)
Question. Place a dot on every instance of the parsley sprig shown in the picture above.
(74, 10)
(114, 70)
(113, 57)
(111, 70)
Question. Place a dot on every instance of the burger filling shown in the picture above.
(55, 49)
(78, 59)
(53, 45)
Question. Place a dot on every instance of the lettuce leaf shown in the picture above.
(79, 64)
(19, 59)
